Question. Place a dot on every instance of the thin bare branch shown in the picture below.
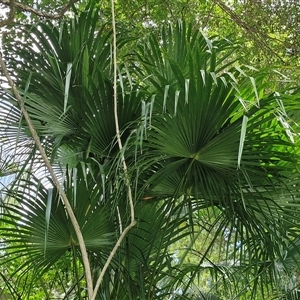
(37, 12)
(111, 256)
(65, 200)
(127, 181)
(41, 149)
(130, 198)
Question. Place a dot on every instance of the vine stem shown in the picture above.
(63, 196)
(125, 169)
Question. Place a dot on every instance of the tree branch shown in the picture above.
(127, 181)
(37, 12)
(64, 198)
(260, 36)
(36, 138)
(11, 14)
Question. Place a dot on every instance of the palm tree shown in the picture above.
(212, 160)
(218, 141)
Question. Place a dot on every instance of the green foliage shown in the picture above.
(212, 154)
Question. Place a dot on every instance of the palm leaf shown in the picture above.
(45, 233)
(202, 147)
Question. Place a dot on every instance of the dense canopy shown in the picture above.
(170, 137)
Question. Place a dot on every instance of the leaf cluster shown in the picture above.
(212, 154)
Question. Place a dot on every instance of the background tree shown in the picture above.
(268, 29)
